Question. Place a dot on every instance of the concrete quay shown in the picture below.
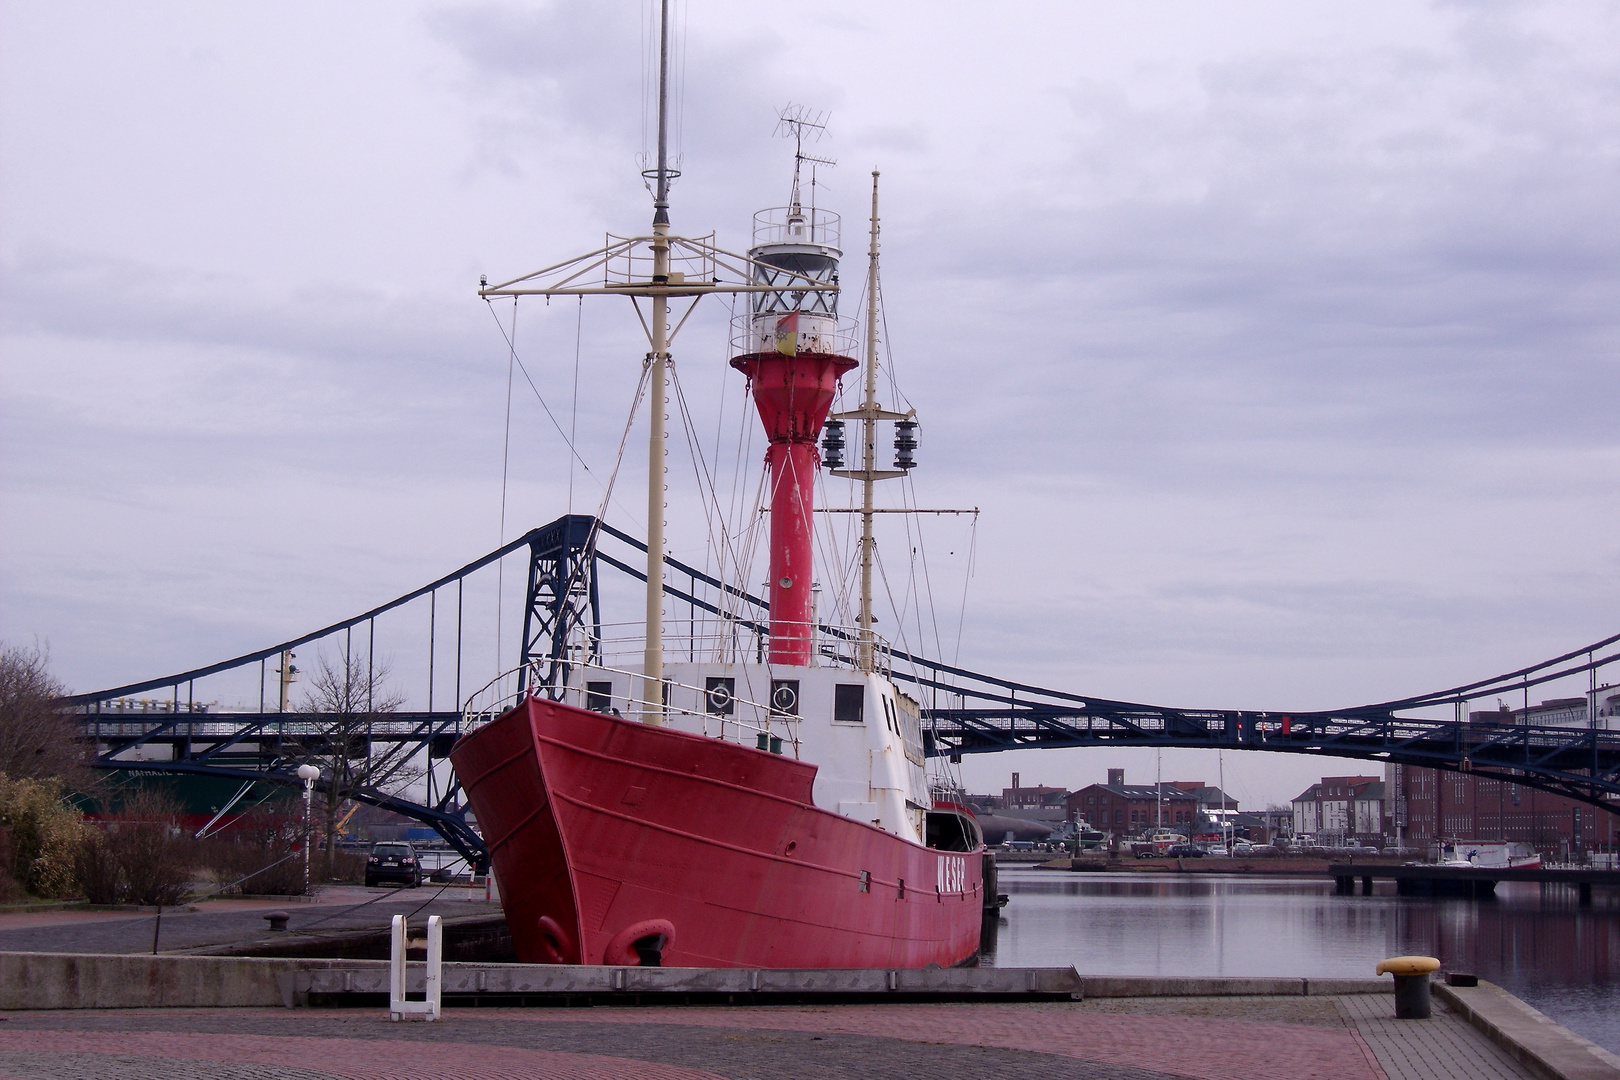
(54, 981)
(82, 1015)
(198, 1012)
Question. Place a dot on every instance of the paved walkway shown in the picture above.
(226, 922)
(1346, 1038)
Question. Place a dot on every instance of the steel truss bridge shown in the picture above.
(965, 712)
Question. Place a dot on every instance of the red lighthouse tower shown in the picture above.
(794, 355)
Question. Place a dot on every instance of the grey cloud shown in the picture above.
(1283, 372)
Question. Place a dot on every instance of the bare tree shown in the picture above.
(39, 739)
(351, 696)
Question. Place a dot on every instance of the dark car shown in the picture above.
(1185, 851)
(392, 860)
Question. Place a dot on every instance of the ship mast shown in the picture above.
(869, 474)
(652, 664)
(683, 267)
(869, 443)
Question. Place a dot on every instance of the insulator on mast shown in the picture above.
(905, 444)
(832, 445)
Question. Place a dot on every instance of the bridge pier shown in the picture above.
(1586, 894)
(1366, 885)
(1344, 885)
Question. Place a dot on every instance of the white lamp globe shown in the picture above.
(308, 773)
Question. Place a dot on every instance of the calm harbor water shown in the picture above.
(1536, 941)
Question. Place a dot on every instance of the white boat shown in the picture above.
(1488, 854)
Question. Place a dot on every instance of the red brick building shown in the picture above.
(1039, 797)
(1123, 809)
(1426, 804)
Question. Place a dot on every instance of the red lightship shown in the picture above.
(737, 808)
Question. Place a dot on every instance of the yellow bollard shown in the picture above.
(1411, 984)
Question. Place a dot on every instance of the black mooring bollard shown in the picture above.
(1411, 984)
(1411, 997)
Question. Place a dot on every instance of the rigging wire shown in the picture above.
(751, 535)
(573, 410)
(680, 86)
(719, 431)
(523, 370)
(900, 622)
(928, 581)
(538, 396)
(741, 520)
(515, 364)
(618, 459)
(506, 453)
(888, 367)
(711, 505)
(613, 475)
(967, 576)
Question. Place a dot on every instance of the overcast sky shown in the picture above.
(1277, 342)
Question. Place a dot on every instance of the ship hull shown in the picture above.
(615, 842)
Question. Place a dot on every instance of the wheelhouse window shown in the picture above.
(599, 696)
(849, 703)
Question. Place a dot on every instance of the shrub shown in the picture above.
(259, 855)
(10, 891)
(153, 854)
(99, 873)
(140, 855)
(45, 836)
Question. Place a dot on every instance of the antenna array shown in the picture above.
(800, 124)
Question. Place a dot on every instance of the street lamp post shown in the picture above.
(308, 774)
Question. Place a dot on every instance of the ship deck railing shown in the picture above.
(776, 732)
(732, 642)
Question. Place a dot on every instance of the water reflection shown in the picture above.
(1535, 940)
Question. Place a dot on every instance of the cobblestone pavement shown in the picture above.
(220, 922)
(1445, 1046)
(1348, 1038)
(476, 1046)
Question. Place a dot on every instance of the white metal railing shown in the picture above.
(820, 333)
(510, 689)
(730, 641)
(779, 225)
(629, 263)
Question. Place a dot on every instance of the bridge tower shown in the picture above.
(562, 617)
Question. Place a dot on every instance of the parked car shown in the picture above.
(393, 860)
(1185, 851)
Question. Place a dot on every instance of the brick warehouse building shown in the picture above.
(1427, 804)
(1122, 808)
